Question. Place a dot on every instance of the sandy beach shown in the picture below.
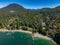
(34, 35)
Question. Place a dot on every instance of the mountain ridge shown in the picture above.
(18, 8)
(18, 5)
(13, 7)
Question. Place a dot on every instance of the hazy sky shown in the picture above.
(32, 4)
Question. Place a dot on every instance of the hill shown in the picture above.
(13, 8)
(45, 21)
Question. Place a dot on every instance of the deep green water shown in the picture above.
(19, 38)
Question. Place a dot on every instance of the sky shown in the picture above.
(32, 4)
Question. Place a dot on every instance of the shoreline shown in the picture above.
(6, 30)
(36, 35)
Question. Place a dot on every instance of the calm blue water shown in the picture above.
(19, 38)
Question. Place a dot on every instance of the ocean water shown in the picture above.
(19, 38)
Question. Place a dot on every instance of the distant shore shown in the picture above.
(33, 35)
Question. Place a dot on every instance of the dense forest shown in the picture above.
(45, 21)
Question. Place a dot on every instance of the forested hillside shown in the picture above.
(45, 21)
